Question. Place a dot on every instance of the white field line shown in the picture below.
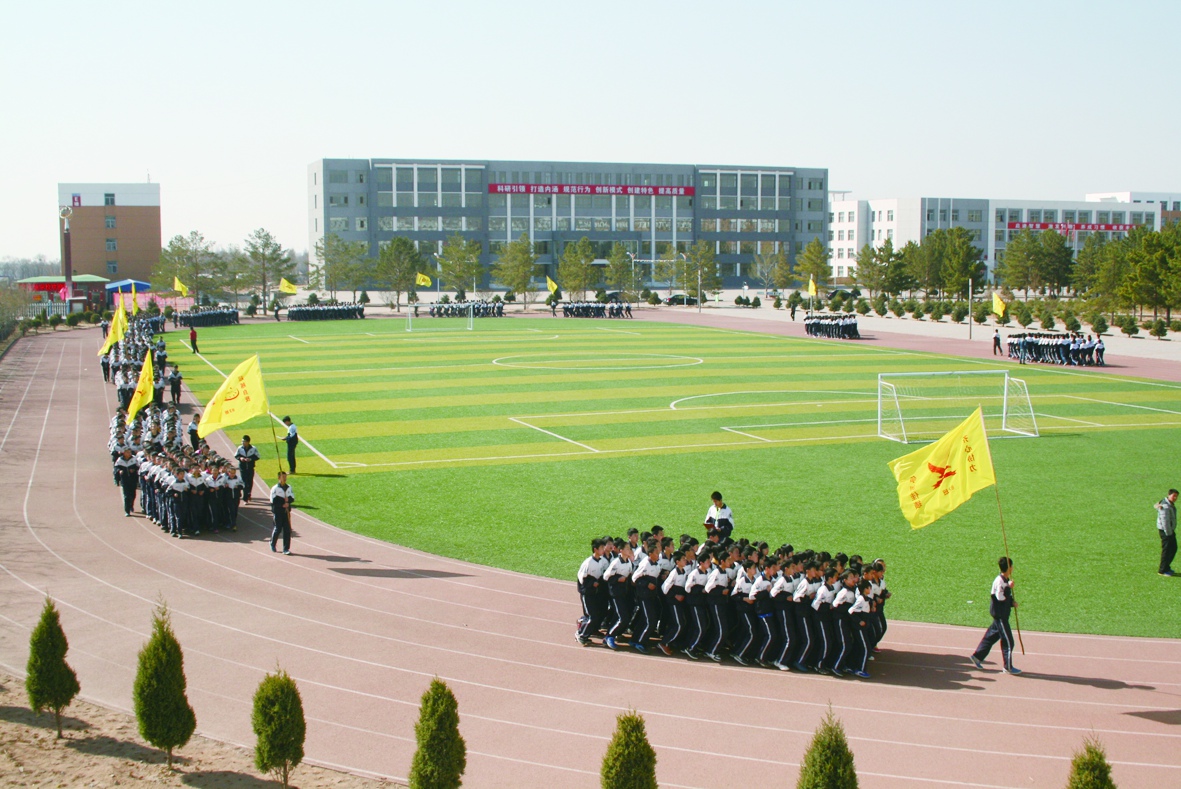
(673, 404)
(292, 336)
(748, 435)
(1125, 405)
(1068, 419)
(549, 433)
(619, 331)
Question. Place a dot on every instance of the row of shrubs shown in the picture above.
(167, 721)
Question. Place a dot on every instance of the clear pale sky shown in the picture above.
(225, 104)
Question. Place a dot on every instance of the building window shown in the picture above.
(889, 216)
(360, 178)
(432, 223)
(1103, 217)
(1035, 215)
(1049, 215)
(1000, 236)
(109, 198)
(955, 215)
(338, 224)
(112, 245)
(112, 267)
(942, 216)
(110, 223)
(841, 252)
(385, 224)
(840, 235)
(360, 199)
(1014, 214)
(1068, 216)
(1084, 217)
(338, 176)
(930, 214)
(475, 222)
(709, 225)
(890, 233)
(362, 223)
(840, 217)
(1117, 217)
(973, 216)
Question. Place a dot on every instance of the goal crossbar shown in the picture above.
(919, 406)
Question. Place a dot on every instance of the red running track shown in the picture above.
(363, 625)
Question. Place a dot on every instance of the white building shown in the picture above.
(990, 223)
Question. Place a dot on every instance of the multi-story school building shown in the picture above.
(654, 210)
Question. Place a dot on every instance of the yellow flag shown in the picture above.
(998, 304)
(143, 389)
(811, 286)
(553, 286)
(177, 285)
(935, 480)
(240, 397)
(422, 279)
(287, 287)
(134, 300)
(117, 328)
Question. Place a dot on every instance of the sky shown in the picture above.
(225, 104)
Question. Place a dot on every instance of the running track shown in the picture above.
(363, 626)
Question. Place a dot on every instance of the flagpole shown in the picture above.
(271, 420)
(996, 489)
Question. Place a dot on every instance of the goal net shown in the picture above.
(447, 317)
(916, 407)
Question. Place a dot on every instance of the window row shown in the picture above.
(745, 225)
(974, 215)
(409, 179)
(623, 204)
(606, 179)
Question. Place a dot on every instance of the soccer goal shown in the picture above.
(454, 317)
(916, 407)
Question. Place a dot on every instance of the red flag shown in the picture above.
(64, 293)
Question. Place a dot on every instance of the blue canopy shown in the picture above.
(124, 286)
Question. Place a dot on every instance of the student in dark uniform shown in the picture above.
(1001, 602)
(127, 477)
(281, 498)
(174, 384)
(1166, 525)
(292, 439)
(247, 456)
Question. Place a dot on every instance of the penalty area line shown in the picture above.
(292, 336)
(549, 433)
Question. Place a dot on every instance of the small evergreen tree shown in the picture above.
(279, 726)
(1089, 769)
(1159, 329)
(441, 756)
(51, 683)
(828, 763)
(161, 707)
(630, 762)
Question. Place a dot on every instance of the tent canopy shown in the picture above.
(124, 286)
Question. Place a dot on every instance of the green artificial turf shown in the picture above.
(436, 441)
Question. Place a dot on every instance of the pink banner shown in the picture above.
(590, 189)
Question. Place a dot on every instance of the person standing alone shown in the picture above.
(996, 343)
(1166, 524)
(292, 439)
(1000, 603)
(193, 338)
(281, 498)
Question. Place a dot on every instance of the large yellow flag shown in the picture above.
(998, 304)
(143, 389)
(134, 300)
(422, 280)
(180, 287)
(240, 397)
(935, 480)
(117, 328)
(551, 285)
(287, 287)
(811, 286)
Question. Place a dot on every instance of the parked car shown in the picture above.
(681, 300)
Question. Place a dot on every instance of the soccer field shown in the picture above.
(515, 443)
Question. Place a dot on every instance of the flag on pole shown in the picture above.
(143, 390)
(998, 304)
(553, 286)
(134, 300)
(422, 280)
(811, 285)
(116, 330)
(64, 293)
(287, 287)
(180, 287)
(240, 397)
(935, 480)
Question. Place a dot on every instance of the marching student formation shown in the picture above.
(206, 316)
(836, 327)
(460, 309)
(592, 309)
(805, 611)
(326, 312)
(1075, 350)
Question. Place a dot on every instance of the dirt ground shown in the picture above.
(102, 748)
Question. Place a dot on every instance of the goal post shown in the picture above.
(457, 317)
(923, 406)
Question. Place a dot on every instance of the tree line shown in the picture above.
(233, 272)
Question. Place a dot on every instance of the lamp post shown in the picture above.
(67, 261)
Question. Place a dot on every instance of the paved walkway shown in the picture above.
(363, 625)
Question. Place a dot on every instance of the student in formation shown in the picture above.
(1001, 603)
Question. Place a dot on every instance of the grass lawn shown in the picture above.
(514, 444)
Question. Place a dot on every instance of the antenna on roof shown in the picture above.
(149, 176)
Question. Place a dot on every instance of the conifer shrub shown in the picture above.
(1089, 768)
(50, 682)
(441, 756)
(161, 707)
(630, 762)
(828, 762)
(279, 726)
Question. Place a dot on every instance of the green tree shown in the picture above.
(701, 270)
(1148, 283)
(630, 761)
(669, 267)
(165, 718)
(267, 262)
(235, 273)
(515, 267)
(1021, 268)
(621, 272)
(961, 263)
(459, 262)
(441, 756)
(768, 266)
(398, 263)
(812, 263)
(828, 762)
(49, 681)
(576, 267)
(340, 266)
(873, 267)
(1057, 259)
(899, 279)
(1084, 274)
(1089, 768)
(190, 259)
(279, 726)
